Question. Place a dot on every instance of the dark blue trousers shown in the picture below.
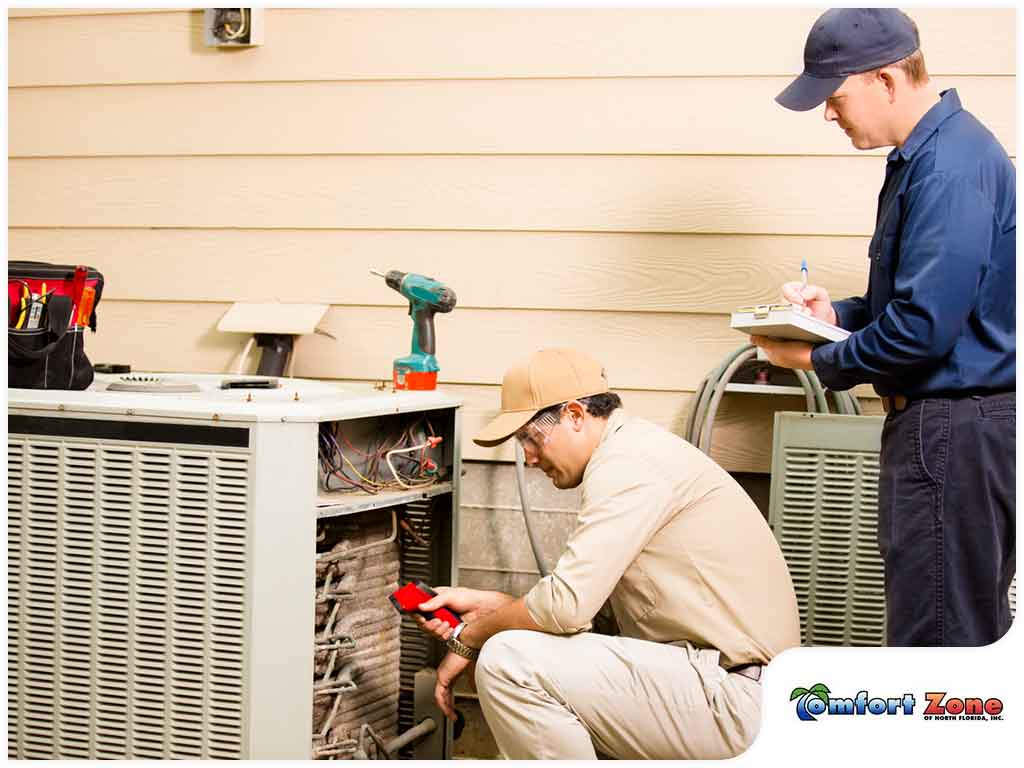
(947, 520)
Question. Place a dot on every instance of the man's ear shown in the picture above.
(888, 78)
(576, 411)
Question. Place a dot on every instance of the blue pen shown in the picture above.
(803, 277)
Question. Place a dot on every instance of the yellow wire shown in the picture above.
(397, 483)
(359, 474)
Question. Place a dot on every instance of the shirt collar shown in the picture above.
(615, 420)
(949, 105)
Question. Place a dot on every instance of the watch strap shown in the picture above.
(458, 647)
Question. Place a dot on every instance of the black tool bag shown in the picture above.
(52, 355)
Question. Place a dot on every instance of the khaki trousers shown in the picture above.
(550, 697)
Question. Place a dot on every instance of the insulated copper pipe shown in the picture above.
(417, 732)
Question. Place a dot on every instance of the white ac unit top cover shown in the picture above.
(296, 400)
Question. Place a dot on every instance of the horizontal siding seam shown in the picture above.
(495, 232)
(25, 14)
(875, 156)
(449, 229)
(546, 155)
(449, 78)
(481, 308)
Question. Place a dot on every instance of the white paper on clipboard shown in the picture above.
(783, 321)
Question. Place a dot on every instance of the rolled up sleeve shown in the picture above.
(624, 504)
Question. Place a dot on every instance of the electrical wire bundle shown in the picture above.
(398, 461)
(701, 419)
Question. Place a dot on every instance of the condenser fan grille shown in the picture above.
(827, 532)
(127, 599)
(824, 512)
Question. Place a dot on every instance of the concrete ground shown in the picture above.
(476, 742)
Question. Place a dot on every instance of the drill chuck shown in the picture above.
(445, 301)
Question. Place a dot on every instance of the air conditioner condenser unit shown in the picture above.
(824, 513)
(167, 592)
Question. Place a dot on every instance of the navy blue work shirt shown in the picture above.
(938, 318)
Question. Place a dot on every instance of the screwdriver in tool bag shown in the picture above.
(78, 284)
(85, 306)
(35, 309)
(77, 292)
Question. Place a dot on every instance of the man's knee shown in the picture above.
(508, 656)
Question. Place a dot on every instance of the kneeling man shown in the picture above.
(697, 583)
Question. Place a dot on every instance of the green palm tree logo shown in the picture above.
(810, 701)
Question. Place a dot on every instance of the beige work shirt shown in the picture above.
(677, 546)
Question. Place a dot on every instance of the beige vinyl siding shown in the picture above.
(606, 193)
(385, 44)
(666, 272)
(626, 116)
(24, 13)
(665, 351)
(614, 182)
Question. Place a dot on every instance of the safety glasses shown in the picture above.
(536, 433)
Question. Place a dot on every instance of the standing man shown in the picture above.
(697, 583)
(934, 333)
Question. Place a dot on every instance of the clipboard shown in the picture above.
(784, 321)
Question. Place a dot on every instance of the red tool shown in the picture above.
(407, 599)
(85, 305)
(78, 284)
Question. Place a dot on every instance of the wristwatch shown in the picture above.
(458, 647)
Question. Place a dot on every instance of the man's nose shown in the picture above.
(830, 114)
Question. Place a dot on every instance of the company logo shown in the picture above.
(942, 707)
(817, 700)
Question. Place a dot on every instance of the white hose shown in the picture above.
(398, 478)
(700, 421)
(524, 501)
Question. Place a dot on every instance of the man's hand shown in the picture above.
(812, 299)
(785, 354)
(470, 604)
(452, 666)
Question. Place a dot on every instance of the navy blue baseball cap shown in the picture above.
(844, 42)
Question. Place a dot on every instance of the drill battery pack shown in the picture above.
(404, 377)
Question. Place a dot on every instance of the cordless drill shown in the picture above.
(426, 298)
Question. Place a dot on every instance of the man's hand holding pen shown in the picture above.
(810, 299)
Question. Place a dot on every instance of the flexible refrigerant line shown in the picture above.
(701, 418)
(813, 404)
(524, 501)
(704, 439)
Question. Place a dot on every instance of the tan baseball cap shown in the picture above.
(546, 378)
